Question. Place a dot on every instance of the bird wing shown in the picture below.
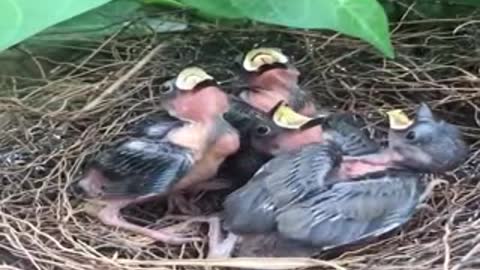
(140, 166)
(283, 180)
(351, 211)
(292, 176)
(347, 132)
(249, 209)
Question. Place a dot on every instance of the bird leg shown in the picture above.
(178, 201)
(219, 248)
(428, 192)
(212, 185)
(110, 215)
(430, 187)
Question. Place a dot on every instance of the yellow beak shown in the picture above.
(398, 120)
(286, 117)
(190, 77)
(257, 58)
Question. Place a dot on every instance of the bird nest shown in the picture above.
(50, 130)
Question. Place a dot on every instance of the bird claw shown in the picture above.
(224, 248)
(170, 236)
(430, 187)
(179, 239)
(179, 233)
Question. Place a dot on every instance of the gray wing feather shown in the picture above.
(300, 172)
(351, 211)
(282, 181)
(140, 166)
(346, 129)
(249, 209)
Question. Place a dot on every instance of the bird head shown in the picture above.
(193, 95)
(271, 78)
(291, 131)
(425, 144)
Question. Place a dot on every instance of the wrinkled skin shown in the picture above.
(314, 198)
(164, 155)
(275, 83)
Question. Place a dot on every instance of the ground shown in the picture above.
(50, 131)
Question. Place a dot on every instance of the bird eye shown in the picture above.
(410, 135)
(263, 130)
(166, 88)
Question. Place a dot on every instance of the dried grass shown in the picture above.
(48, 132)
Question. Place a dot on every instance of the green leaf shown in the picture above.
(168, 3)
(20, 19)
(94, 24)
(219, 8)
(60, 43)
(363, 19)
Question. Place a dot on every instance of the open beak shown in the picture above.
(398, 120)
(189, 78)
(255, 59)
(284, 116)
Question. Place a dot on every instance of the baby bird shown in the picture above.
(272, 80)
(290, 132)
(165, 156)
(314, 198)
(341, 128)
(251, 124)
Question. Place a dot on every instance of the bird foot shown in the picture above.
(110, 215)
(180, 233)
(218, 247)
(168, 236)
(224, 249)
(161, 235)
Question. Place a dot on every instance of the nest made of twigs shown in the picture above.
(50, 130)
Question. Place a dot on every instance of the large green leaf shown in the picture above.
(220, 8)
(364, 19)
(169, 3)
(94, 24)
(59, 42)
(20, 19)
(358, 18)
